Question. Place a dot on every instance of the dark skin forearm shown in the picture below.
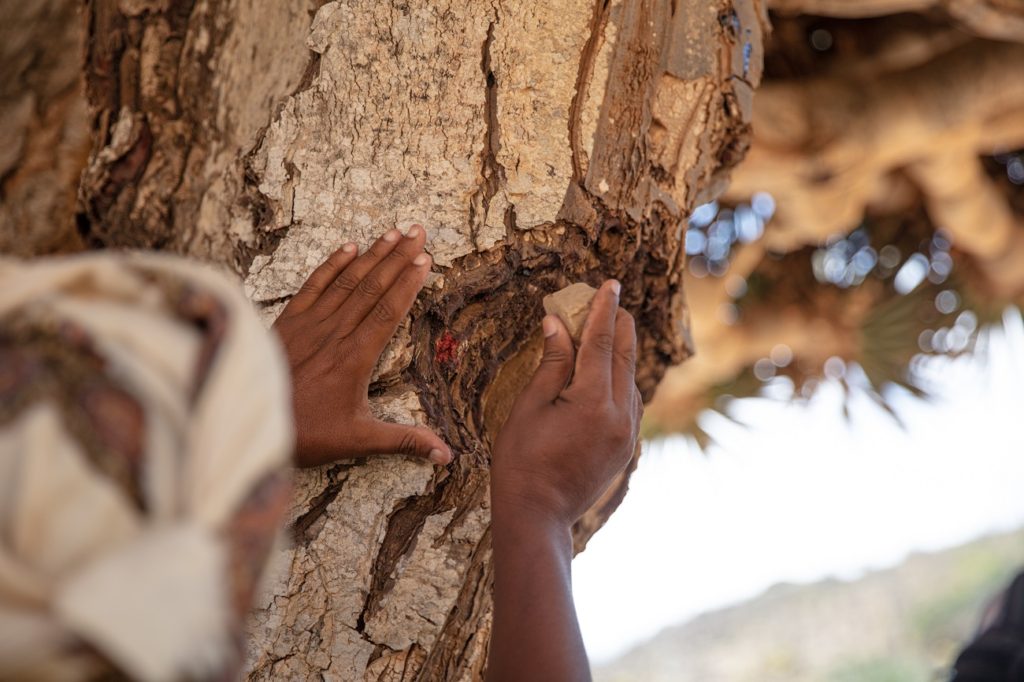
(570, 432)
(536, 635)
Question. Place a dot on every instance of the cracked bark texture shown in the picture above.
(44, 133)
(539, 143)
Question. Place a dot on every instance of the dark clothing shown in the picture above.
(997, 654)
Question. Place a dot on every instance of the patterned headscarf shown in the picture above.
(145, 430)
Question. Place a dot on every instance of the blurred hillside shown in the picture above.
(904, 624)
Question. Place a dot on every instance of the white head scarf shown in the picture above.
(145, 428)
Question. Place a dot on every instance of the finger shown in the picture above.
(597, 342)
(321, 278)
(374, 285)
(624, 359)
(556, 364)
(346, 281)
(377, 328)
(638, 412)
(383, 438)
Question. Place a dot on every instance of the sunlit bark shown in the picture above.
(540, 143)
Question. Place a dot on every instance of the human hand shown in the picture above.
(564, 442)
(334, 330)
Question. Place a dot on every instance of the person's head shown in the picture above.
(144, 440)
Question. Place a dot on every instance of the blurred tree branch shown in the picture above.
(997, 19)
(893, 121)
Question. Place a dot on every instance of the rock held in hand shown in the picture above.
(571, 305)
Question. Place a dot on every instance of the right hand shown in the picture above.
(564, 442)
(333, 331)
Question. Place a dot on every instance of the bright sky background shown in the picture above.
(802, 494)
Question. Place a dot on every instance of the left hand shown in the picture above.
(334, 330)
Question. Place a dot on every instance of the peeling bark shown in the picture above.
(540, 144)
(178, 91)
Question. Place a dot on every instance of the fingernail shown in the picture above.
(439, 457)
(391, 236)
(616, 287)
(550, 326)
(414, 231)
(349, 248)
(421, 260)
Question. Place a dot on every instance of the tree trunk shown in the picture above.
(539, 143)
(44, 133)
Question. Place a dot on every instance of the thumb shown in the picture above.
(384, 438)
(556, 365)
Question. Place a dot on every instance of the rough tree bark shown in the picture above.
(540, 143)
(44, 133)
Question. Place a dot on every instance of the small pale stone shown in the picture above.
(571, 305)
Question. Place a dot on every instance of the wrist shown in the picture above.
(513, 511)
(526, 538)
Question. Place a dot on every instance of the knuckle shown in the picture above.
(308, 287)
(344, 282)
(603, 342)
(555, 356)
(370, 286)
(384, 312)
(407, 446)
